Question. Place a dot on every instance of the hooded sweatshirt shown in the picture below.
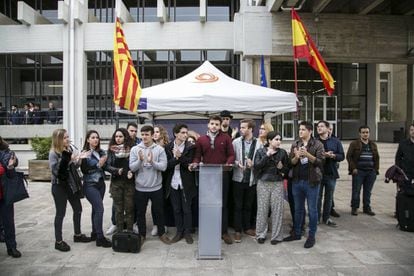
(148, 176)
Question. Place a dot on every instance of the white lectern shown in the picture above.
(210, 208)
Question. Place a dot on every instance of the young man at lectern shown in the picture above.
(216, 148)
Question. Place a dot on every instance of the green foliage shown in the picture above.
(41, 146)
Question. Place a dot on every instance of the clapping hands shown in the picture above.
(102, 160)
(148, 157)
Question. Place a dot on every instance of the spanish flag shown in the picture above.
(127, 90)
(303, 47)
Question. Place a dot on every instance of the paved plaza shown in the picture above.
(361, 245)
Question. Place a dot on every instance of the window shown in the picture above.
(385, 95)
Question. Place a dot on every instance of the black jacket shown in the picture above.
(113, 164)
(404, 158)
(187, 177)
(265, 166)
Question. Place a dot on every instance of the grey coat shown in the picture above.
(238, 172)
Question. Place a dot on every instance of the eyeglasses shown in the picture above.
(262, 128)
(183, 132)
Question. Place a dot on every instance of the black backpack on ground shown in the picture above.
(405, 211)
(127, 242)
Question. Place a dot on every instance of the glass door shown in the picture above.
(325, 108)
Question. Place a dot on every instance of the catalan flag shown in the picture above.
(127, 90)
(304, 47)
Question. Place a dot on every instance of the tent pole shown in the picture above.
(153, 119)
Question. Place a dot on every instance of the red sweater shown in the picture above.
(223, 152)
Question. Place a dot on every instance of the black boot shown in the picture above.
(103, 242)
(14, 253)
(62, 246)
(368, 211)
(82, 238)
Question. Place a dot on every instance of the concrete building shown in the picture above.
(60, 51)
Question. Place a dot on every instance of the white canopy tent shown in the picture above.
(208, 90)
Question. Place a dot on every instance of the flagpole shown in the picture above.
(113, 70)
(295, 69)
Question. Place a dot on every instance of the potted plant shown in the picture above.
(39, 167)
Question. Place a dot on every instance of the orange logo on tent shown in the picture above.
(206, 77)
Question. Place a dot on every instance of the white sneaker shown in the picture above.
(154, 231)
(166, 229)
(135, 228)
(111, 229)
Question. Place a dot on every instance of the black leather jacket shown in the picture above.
(265, 166)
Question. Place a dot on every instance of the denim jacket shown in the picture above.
(92, 173)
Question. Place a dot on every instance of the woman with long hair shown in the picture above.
(161, 135)
(264, 129)
(60, 156)
(161, 138)
(270, 165)
(122, 186)
(94, 184)
(8, 161)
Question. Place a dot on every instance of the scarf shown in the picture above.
(212, 138)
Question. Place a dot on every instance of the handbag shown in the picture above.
(14, 187)
(75, 180)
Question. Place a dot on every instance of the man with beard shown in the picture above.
(216, 148)
(226, 118)
(363, 160)
(244, 186)
(334, 153)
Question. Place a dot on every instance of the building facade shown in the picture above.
(61, 52)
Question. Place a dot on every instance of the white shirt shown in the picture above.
(176, 181)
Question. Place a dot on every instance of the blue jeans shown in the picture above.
(328, 184)
(94, 193)
(7, 216)
(302, 190)
(365, 179)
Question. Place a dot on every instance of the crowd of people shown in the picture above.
(164, 171)
(31, 114)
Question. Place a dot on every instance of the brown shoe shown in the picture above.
(177, 238)
(227, 239)
(188, 239)
(237, 237)
(250, 232)
(165, 239)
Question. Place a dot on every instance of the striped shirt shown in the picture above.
(366, 159)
